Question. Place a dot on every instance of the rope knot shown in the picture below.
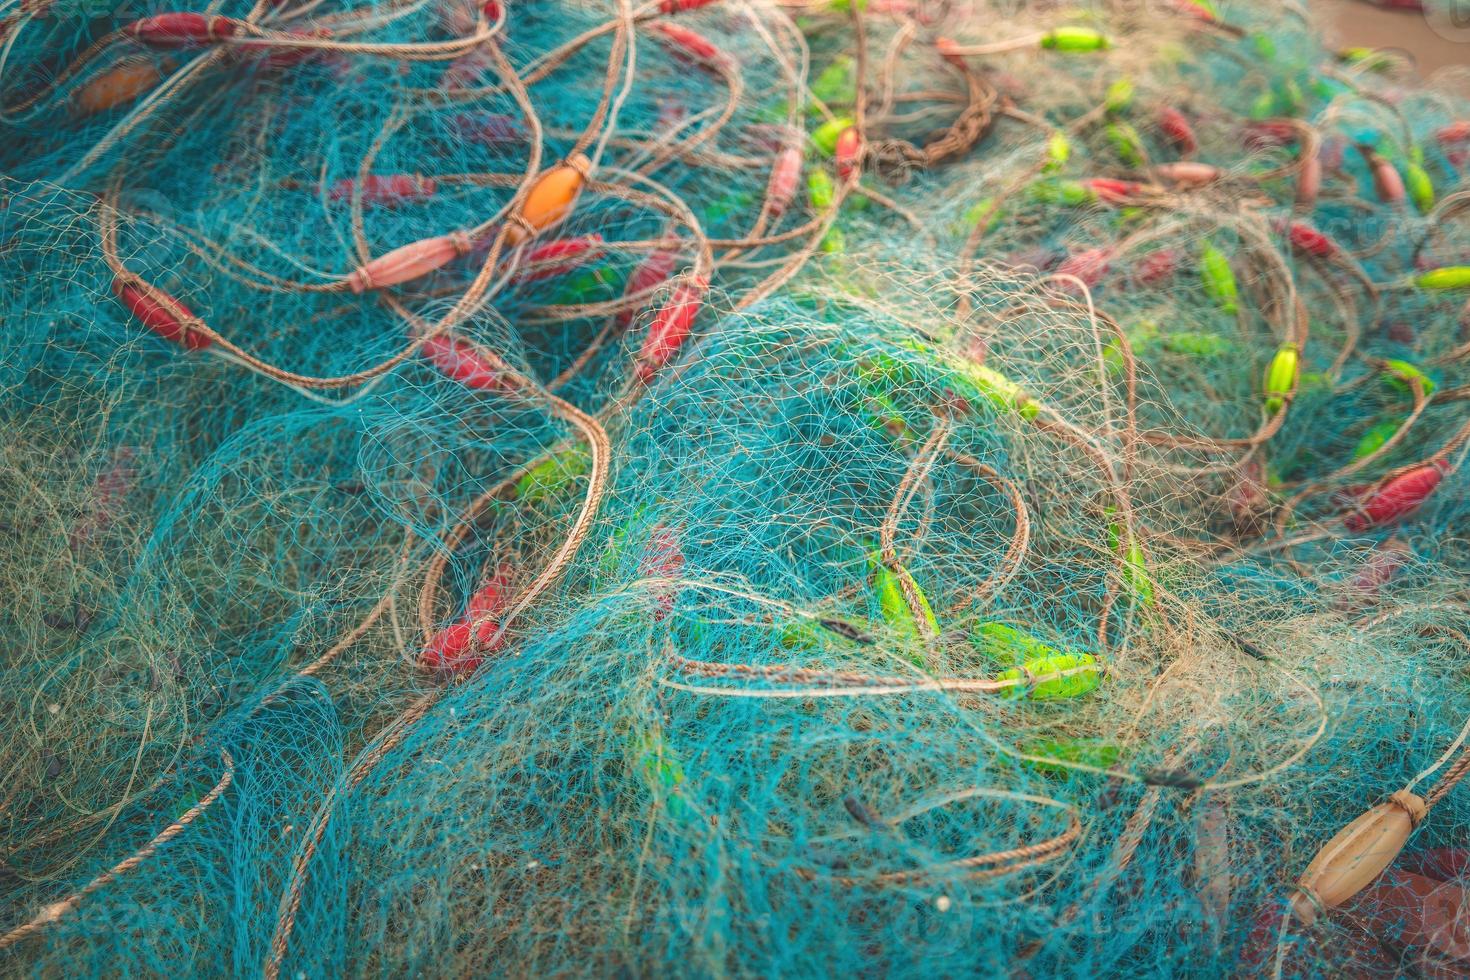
(1410, 804)
(582, 165)
(520, 221)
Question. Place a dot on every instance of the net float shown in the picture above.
(785, 174)
(1309, 181)
(1264, 134)
(1062, 675)
(999, 390)
(161, 313)
(1388, 184)
(691, 45)
(1247, 498)
(1053, 755)
(671, 326)
(1396, 497)
(1376, 436)
(1067, 193)
(1370, 59)
(825, 136)
(1420, 187)
(1177, 130)
(1136, 579)
(1383, 565)
(1281, 378)
(1075, 40)
(1118, 97)
(559, 257)
(1400, 374)
(1355, 856)
(1304, 238)
(662, 558)
(550, 199)
(1009, 646)
(1126, 143)
(119, 85)
(812, 634)
(1089, 265)
(1188, 173)
(1445, 277)
(820, 190)
(452, 649)
(384, 189)
(662, 771)
(409, 262)
(1218, 278)
(1058, 151)
(847, 152)
(180, 30)
(460, 648)
(1196, 343)
(892, 586)
(651, 273)
(494, 596)
(552, 475)
(1455, 132)
(1200, 12)
(462, 361)
(1156, 267)
(671, 7)
(1114, 191)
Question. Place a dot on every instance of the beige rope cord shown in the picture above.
(977, 867)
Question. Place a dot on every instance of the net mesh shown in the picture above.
(943, 487)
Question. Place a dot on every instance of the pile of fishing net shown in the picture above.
(900, 487)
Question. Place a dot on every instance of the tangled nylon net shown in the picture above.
(900, 487)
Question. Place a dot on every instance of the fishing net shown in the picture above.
(582, 488)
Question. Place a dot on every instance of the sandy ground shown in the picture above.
(1435, 43)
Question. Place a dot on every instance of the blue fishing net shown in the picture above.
(939, 488)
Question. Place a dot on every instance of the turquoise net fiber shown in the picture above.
(966, 592)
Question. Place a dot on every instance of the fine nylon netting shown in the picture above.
(941, 488)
